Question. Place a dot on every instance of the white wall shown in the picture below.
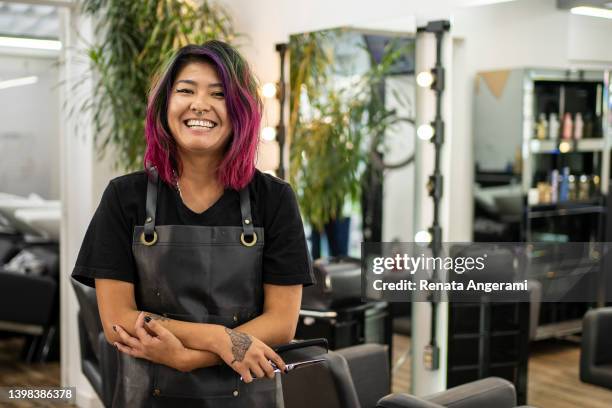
(528, 33)
(29, 127)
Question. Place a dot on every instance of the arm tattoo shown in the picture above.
(240, 344)
(157, 317)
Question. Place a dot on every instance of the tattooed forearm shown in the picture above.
(153, 316)
(240, 344)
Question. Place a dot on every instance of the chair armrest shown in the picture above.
(300, 350)
(405, 401)
(488, 392)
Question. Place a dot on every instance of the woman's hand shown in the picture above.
(247, 355)
(162, 347)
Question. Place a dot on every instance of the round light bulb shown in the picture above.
(425, 79)
(564, 147)
(268, 90)
(268, 133)
(422, 237)
(425, 132)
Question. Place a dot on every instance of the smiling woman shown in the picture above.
(190, 290)
(197, 115)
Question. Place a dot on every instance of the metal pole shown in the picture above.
(281, 48)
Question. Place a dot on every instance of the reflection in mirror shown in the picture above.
(351, 122)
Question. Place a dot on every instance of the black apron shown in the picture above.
(196, 274)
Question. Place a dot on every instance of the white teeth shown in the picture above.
(201, 123)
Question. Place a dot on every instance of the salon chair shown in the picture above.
(358, 377)
(595, 350)
(29, 298)
(94, 347)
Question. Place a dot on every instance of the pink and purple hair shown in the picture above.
(244, 107)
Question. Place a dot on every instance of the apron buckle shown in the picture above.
(248, 244)
(143, 239)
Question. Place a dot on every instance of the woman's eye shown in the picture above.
(184, 90)
(219, 95)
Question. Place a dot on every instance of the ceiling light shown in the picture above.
(33, 43)
(11, 83)
(591, 11)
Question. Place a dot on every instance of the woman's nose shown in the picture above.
(200, 106)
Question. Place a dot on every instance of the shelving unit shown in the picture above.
(488, 339)
(514, 153)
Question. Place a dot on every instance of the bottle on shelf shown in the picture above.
(554, 186)
(564, 185)
(568, 126)
(542, 127)
(595, 187)
(544, 192)
(553, 127)
(572, 193)
(583, 188)
(578, 126)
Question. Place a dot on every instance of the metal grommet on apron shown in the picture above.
(199, 274)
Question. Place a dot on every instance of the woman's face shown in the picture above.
(197, 113)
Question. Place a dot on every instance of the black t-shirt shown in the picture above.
(106, 252)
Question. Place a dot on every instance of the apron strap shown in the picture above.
(247, 220)
(151, 209)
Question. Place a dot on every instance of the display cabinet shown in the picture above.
(544, 136)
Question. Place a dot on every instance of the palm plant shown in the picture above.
(134, 39)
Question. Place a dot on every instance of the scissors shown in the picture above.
(293, 366)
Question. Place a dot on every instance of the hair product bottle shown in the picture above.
(564, 185)
(542, 127)
(578, 126)
(568, 125)
(553, 127)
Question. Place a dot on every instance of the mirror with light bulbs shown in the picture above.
(351, 127)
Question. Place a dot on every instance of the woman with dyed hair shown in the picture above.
(199, 259)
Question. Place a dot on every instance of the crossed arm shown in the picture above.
(187, 346)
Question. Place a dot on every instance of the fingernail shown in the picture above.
(147, 319)
(115, 344)
(114, 328)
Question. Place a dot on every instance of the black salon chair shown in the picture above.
(98, 357)
(595, 350)
(358, 377)
(29, 300)
(488, 392)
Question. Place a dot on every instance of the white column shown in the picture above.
(77, 187)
